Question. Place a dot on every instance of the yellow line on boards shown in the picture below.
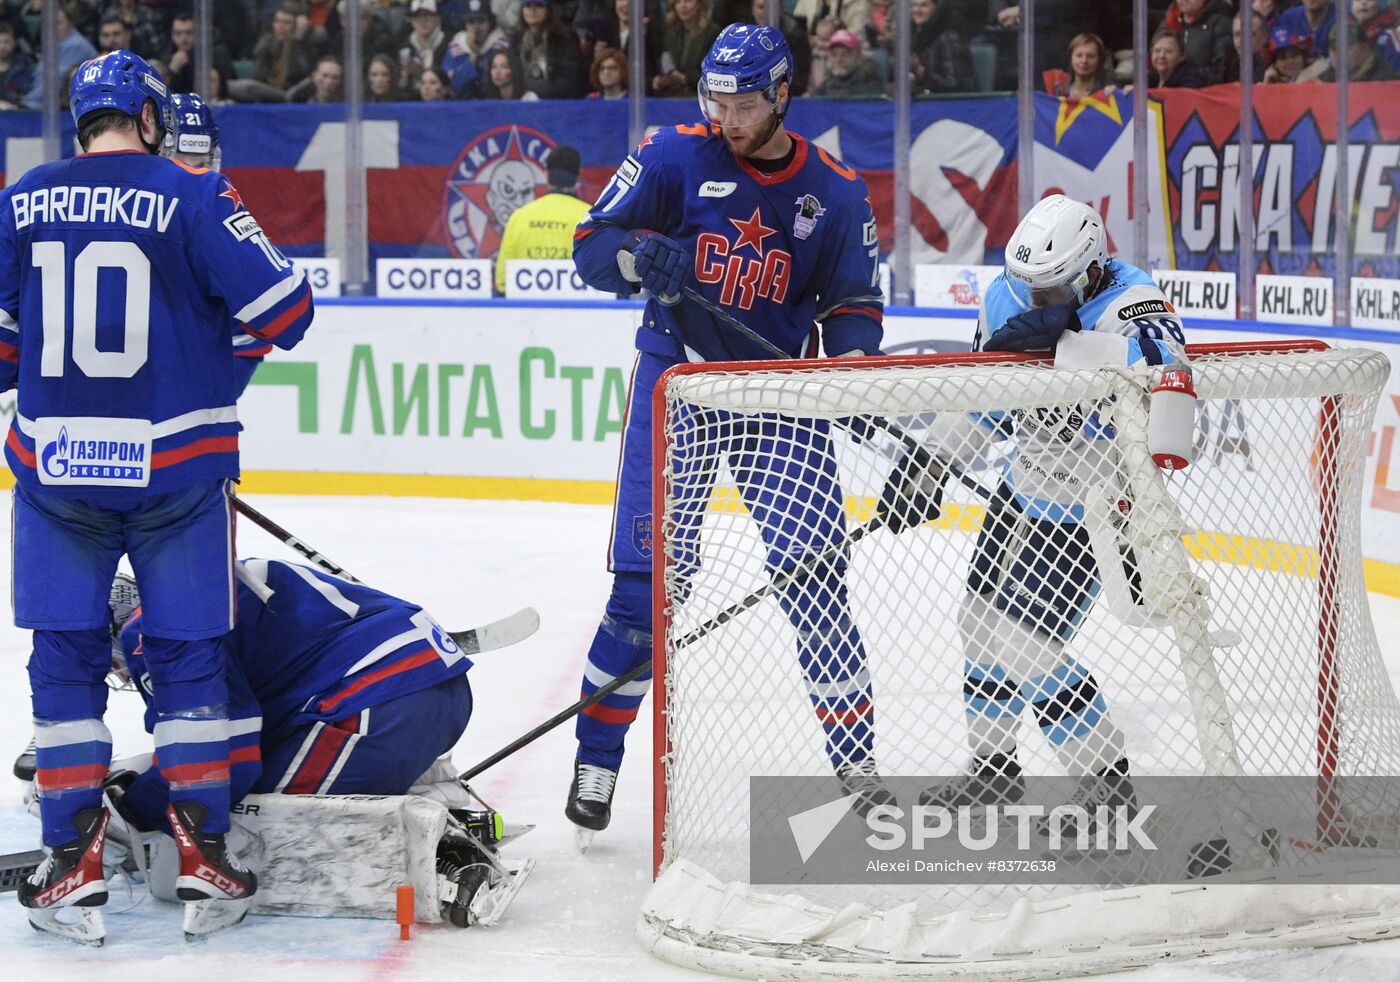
(1247, 551)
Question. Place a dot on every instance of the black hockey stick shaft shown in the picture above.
(507, 631)
(726, 615)
(288, 539)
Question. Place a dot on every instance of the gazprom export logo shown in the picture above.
(93, 451)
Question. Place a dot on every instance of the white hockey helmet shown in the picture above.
(1049, 255)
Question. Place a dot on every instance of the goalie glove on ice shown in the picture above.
(1036, 329)
(913, 494)
(1171, 419)
(657, 262)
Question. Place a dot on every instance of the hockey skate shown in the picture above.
(590, 802)
(216, 887)
(63, 895)
(861, 778)
(992, 780)
(474, 885)
(1111, 790)
(26, 764)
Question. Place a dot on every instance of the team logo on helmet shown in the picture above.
(494, 174)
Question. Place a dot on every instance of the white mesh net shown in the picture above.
(1231, 636)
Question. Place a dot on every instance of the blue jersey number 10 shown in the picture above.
(51, 260)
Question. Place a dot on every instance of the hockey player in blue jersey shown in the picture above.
(779, 233)
(334, 688)
(193, 140)
(1034, 576)
(119, 273)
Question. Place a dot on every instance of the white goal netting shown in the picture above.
(1208, 625)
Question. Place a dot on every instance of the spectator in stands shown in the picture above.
(1313, 18)
(281, 59)
(609, 75)
(502, 79)
(796, 36)
(382, 80)
(879, 25)
(150, 25)
(376, 36)
(1261, 48)
(434, 85)
(218, 87)
(73, 49)
(425, 44)
(1056, 23)
(544, 228)
(687, 36)
(1288, 56)
(113, 34)
(617, 32)
(940, 55)
(325, 85)
(465, 61)
(1204, 28)
(16, 69)
(1270, 9)
(1365, 61)
(179, 55)
(548, 54)
(1379, 27)
(850, 74)
(852, 14)
(1088, 69)
(1169, 67)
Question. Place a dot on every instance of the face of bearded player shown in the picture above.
(746, 120)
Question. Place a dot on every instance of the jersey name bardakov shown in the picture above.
(1058, 453)
(761, 244)
(122, 276)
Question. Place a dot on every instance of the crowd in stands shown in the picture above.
(430, 50)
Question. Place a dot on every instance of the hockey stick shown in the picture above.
(718, 620)
(473, 640)
(911, 445)
(16, 867)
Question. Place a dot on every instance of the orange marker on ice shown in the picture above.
(404, 913)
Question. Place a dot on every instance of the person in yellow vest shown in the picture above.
(544, 229)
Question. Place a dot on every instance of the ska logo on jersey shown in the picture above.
(231, 193)
(641, 535)
(743, 269)
(809, 209)
(494, 174)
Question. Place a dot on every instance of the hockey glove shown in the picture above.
(661, 264)
(913, 494)
(1034, 330)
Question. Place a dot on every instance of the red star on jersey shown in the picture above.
(233, 196)
(752, 232)
(645, 143)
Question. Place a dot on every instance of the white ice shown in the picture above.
(469, 562)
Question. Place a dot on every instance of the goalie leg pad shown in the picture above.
(329, 856)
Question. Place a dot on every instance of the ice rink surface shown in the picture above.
(468, 563)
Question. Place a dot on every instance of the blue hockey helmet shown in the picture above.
(193, 130)
(746, 58)
(118, 80)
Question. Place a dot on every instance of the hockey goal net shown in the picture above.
(1221, 639)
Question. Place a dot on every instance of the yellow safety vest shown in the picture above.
(543, 229)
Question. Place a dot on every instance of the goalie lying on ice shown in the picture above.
(334, 689)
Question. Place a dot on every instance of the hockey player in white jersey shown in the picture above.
(1033, 574)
